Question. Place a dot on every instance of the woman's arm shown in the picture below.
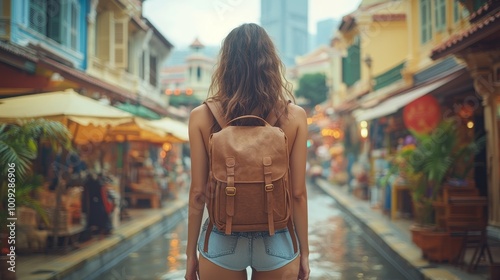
(199, 175)
(298, 172)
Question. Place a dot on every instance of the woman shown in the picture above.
(248, 80)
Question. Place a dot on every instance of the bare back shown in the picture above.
(290, 124)
(294, 126)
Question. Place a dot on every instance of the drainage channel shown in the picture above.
(339, 249)
(377, 243)
(166, 227)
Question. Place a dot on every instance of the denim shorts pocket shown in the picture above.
(279, 245)
(219, 244)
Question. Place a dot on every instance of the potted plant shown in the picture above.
(436, 157)
(465, 163)
(19, 144)
(402, 170)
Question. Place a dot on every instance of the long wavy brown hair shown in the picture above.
(249, 77)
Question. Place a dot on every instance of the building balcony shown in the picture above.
(113, 75)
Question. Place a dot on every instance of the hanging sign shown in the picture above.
(422, 115)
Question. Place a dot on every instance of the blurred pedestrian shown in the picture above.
(98, 218)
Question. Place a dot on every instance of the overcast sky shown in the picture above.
(181, 21)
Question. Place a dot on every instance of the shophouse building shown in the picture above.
(397, 52)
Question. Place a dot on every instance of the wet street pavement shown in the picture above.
(338, 250)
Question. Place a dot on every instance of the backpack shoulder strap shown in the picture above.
(272, 118)
(214, 107)
(216, 110)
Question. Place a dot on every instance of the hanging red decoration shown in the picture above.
(422, 115)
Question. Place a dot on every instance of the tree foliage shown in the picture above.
(313, 88)
(19, 143)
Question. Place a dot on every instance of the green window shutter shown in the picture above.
(55, 13)
(425, 21)
(389, 77)
(351, 65)
(440, 14)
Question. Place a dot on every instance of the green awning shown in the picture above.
(139, 111)
(186, 100)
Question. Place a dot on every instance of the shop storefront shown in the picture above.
(477, 47)
(393, 122)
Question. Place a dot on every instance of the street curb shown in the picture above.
(405, 255)
(91, 261)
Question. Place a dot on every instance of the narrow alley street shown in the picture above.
(339, 250)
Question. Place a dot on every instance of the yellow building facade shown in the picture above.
(475, 41)
(446, 48)
(374, 41)
(126, 50)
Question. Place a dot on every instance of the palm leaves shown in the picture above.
(19, 142)
(19, 145)
(434, 155)
(439, 156)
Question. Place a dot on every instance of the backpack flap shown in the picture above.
(249, 145)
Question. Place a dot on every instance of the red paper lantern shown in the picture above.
(422, 115)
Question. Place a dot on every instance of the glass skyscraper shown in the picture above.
(286, 21)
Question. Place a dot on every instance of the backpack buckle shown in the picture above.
(269, 187)
(230, 191)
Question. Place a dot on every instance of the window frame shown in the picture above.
(60, 24)
(351, 63)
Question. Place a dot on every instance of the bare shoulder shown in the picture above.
(295, 121)
(200, 116)
(199, 110)
(296, 110)
(296, 114)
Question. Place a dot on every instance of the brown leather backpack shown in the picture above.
(249, 181)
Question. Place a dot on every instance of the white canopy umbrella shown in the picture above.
(174, 127)
(68, 103)
(87, 119)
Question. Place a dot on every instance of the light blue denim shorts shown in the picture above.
(239, 250)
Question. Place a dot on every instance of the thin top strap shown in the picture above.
(217, 112)
(272, 118)
(214, 106)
